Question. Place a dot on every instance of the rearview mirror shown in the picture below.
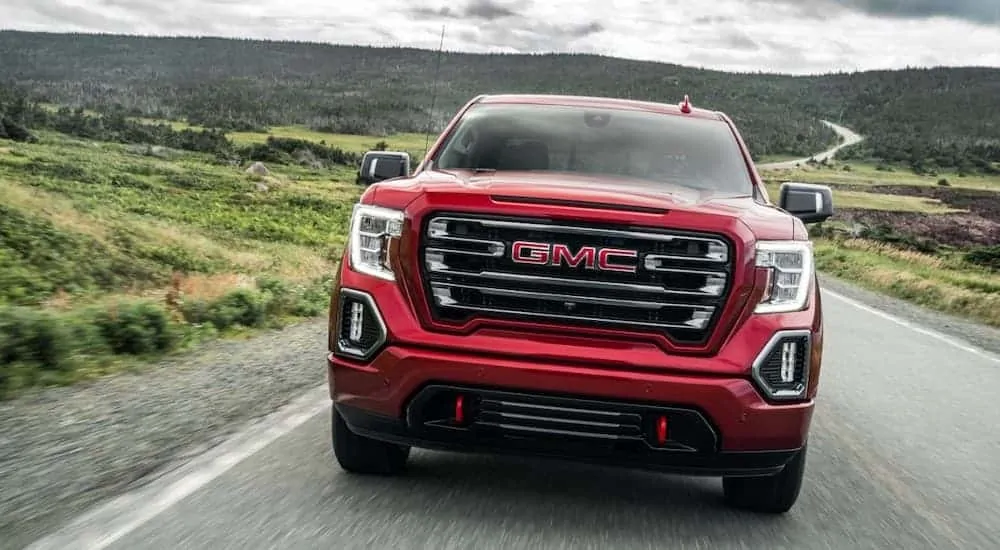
(378, 166)
(809, 202)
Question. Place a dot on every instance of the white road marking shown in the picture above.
(117, 518)
(915, 328)
(122, 515)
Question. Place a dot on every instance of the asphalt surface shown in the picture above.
(904, 453)
(848, 138)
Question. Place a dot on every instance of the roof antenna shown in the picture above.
(430, 116)
(686, 105)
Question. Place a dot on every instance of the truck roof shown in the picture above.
(599, 103)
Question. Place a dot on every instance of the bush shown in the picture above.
(137, 329)
(35, 348)
(280, 150)
(985, 256)
(242, 307)
(887, 234)
(39, 347)
(34, 338)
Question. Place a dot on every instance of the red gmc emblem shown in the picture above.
(591, 257)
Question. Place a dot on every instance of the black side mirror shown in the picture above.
(809, 202)
(378, 166)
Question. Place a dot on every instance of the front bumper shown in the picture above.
(727, 463)
(719, 425)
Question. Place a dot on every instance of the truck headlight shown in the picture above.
(374, 236)
(789, 266)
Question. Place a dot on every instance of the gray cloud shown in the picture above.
(984, 11)
(486, 10)
(977, 11)
(791, 36)
(740, 40)
(518, 30)
(712, 19)
(61, 12)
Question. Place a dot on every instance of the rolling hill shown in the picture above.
(928, 118)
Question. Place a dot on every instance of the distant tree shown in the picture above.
(909, 117)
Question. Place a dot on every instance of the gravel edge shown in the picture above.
(63, 450)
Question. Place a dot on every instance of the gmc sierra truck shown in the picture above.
(581, 278)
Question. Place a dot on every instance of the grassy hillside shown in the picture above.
(924, 117)
(110, 251)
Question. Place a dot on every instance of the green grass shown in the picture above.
(878, 201)
(408, 142)
(403, 142)
(88, 226)
(869, 174)
(944, 283)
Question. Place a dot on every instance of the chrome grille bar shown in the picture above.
(679, 284)
(516, 293)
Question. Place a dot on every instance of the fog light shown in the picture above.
(361, 330)
(788, 362)
(781, 370)
(357, 322)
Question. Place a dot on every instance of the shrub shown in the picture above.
(35, 338)
(35, 348)
(985, 256)
(887, 234)
(39, 347)
(137, 328)
(240, 307)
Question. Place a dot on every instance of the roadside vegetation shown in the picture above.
(930, 238)
(111, 252)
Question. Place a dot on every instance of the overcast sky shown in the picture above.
(796, 36)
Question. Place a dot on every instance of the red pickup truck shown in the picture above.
(581, 278)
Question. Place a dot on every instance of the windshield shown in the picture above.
(692, 152)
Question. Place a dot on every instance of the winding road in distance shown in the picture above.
(904, 454)
(848, 137)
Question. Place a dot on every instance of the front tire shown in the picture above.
(774, 494)
(362, 455)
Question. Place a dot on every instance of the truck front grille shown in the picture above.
(573, 274)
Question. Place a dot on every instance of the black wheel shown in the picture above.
(774, 494)
(362, 455)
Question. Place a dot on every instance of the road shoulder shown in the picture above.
(974, 334)
(65, 449)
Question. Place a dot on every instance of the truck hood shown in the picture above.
(766, 222)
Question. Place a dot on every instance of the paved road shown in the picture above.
(904, 454)
(848, 138)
